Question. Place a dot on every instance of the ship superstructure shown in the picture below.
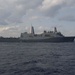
(44, 35)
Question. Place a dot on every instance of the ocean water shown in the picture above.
(37, 58)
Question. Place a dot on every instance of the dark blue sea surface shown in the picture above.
(37, 58)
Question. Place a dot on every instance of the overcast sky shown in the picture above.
(17, 16)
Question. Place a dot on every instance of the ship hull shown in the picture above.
(54, 40)
(9, 40)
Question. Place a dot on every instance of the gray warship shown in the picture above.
(46, 36)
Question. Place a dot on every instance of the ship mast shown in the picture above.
(55, 29)
(32, 30)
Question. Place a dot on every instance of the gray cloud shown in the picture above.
(52, 8)
(53, 11)
(68, 18)
(13, 11)
(29, 4)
